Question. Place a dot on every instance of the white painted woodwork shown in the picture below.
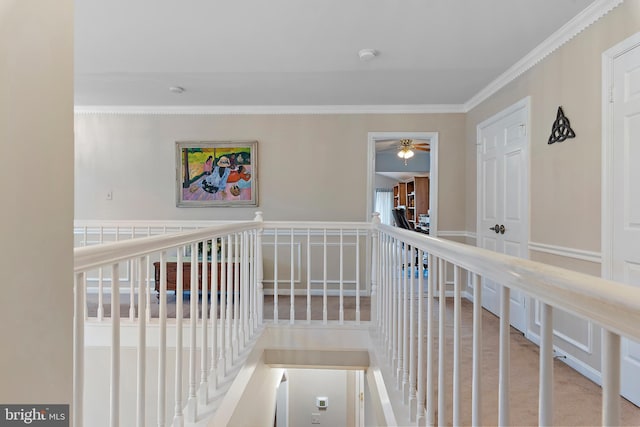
(624, 209)
(613, 305)
(503, 197)
(476, 380)
(545, 392)
(442, 308)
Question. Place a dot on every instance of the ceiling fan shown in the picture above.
(406, 148)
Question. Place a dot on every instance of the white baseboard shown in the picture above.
(577, 364)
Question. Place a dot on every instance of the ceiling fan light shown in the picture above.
(408, 154)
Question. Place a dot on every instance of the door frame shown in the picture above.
(372, 137)
(608, 58)
(607, 207)
(526, 104)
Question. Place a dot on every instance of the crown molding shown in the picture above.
(579, 23)
(268, 109)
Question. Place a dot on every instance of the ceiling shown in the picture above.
(301, 53)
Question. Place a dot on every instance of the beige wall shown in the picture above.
(312, 167)
(565, 177)
(36, 184)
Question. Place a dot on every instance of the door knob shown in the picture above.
(502, 229)
(495, 228)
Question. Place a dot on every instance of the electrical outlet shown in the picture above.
(315, 418)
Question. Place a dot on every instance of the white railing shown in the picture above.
(288, 262)
(288, 267)
(614, 306)
(225, 329)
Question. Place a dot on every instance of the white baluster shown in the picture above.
(610, 378)
(341, 312)
(100, 312)
(433, 271)
(292, 310)
(192, 401)
(229, 320)
(373, 283)
(476, 384)
(260, 277)
(545, 396)
(442, 397)
(203, 392)
(236, 296)
(79, 303)
(178, 417)
(275, 277)
(420, 419)
(308, 275)
(397, 270)
(457, 272)
(504, 359)
(148, 287)
(244, 291)
(376, 277)
(389, 299)
(115, 348)
(400, 315)
(252, 283)
(162, 343)
(132, 293)
(213, 374)
(222, 365)
(405, 323)
(142, 345)
(412, 338)
(324, 280)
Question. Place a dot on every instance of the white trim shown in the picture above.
(583, 20)
(580, 22)
(372, 137)
(580, 254)
(452, 233)
(584, 347)
(608, 58)
(572, 361)
(268, 109)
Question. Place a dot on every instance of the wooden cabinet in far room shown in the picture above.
(400, 194)
(417, 198)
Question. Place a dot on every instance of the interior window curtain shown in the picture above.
(384, 204)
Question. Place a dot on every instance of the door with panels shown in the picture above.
(503, 198)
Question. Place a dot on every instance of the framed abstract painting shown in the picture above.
(210, 174)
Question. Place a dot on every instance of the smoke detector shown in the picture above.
(367, 54)
(176, 89)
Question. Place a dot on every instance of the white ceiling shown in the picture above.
(296, 52)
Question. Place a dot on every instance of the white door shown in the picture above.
(625, 218)
(503, 198)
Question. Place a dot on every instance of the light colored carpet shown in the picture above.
(577, 400)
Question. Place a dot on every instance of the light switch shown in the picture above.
(315, 418)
